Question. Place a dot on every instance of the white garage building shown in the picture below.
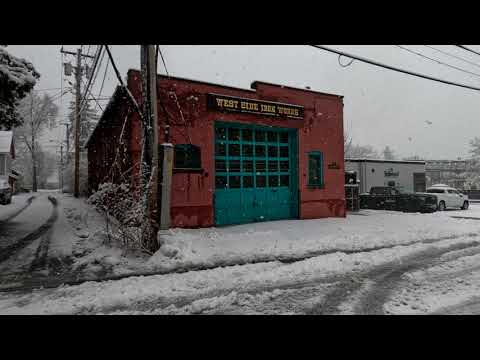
(405, 175)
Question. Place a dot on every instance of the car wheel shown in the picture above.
(465, 205)
(441, 206)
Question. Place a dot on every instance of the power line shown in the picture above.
(163, 60)
(468, 49)
(389, 67)
(437, 61)
(93, 74)
(117, 73)
(452, 55)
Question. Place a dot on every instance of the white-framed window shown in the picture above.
(3, 164)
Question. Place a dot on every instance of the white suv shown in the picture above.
(449, 197)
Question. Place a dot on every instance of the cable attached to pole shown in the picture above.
(130, 96)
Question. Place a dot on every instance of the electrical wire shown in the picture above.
(103, 80)
(468, 49)
(393, 68)
(437, 61)
(346, 65)
(163, 60)
(452, 55)
(91, 78)
(187, 135)
(130, 96)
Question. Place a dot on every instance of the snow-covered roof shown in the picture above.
(420, 162)
(6, 138)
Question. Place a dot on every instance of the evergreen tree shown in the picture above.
(17, 79)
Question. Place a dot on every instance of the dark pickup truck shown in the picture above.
(390, 198)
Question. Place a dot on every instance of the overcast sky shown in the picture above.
(412, 115)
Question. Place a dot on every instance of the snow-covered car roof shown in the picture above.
(444, 187)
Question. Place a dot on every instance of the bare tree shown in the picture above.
(347, 142)
(475, 147)
(38, 113)
(413, 157)
(388, 153)
(361, 152)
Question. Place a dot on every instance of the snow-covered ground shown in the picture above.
(303, 238)
(279, 240)
(336, 247)
(198, 291)
(18, 202)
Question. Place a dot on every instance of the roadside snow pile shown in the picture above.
(95, 251)
(297, 239)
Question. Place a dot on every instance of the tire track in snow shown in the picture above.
(26, 240)
(19, 211)
(385, 278)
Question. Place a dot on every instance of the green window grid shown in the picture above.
(268, 171)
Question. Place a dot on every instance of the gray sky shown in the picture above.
(381, 107)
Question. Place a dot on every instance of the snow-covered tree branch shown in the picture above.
(17, 79)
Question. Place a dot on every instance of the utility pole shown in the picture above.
(67, 139)
(78, 80)
(151, 138)
(34, 158)
(61, 167)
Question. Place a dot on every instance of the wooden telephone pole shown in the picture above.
(78, 81)
(161, 155)
(150, 152)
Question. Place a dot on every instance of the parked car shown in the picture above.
(449, 197)
(5, 192)
(391, 198)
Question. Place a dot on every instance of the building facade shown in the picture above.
(240, 155)
(7, 155)
(405, 175)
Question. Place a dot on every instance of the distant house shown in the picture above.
(7, 154)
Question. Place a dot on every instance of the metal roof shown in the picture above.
(420, 162)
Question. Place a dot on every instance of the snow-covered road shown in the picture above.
(370, 263)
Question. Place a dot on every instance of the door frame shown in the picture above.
(293, 155)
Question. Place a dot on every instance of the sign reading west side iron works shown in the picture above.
(236, 104)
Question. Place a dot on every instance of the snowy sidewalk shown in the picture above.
(299, 239)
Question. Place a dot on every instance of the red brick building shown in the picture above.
(272, 152)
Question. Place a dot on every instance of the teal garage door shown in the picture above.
(255, 174)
